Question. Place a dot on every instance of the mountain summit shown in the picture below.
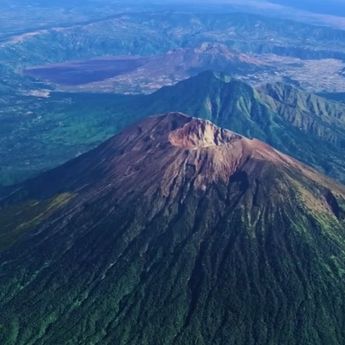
(176, 232)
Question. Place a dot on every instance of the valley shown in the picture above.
(188, 43)
(135, 75)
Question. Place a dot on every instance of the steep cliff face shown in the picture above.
(174, 232)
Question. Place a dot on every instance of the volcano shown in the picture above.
(174, 232)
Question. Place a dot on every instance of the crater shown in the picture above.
(201, 134)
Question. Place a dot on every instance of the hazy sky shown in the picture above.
(329, 7)
(335, 7)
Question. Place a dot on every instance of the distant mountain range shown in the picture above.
(56, 129)
(178, 232)
(291, 50)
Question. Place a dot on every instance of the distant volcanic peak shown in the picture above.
(201, 134)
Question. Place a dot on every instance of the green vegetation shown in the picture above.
(21, 217)
(122, 245)
(256, 259)
(38, 134)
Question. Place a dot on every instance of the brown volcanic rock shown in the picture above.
(163, 153)
(166, 151)
(197, 134)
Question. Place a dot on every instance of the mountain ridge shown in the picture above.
(268, 114)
